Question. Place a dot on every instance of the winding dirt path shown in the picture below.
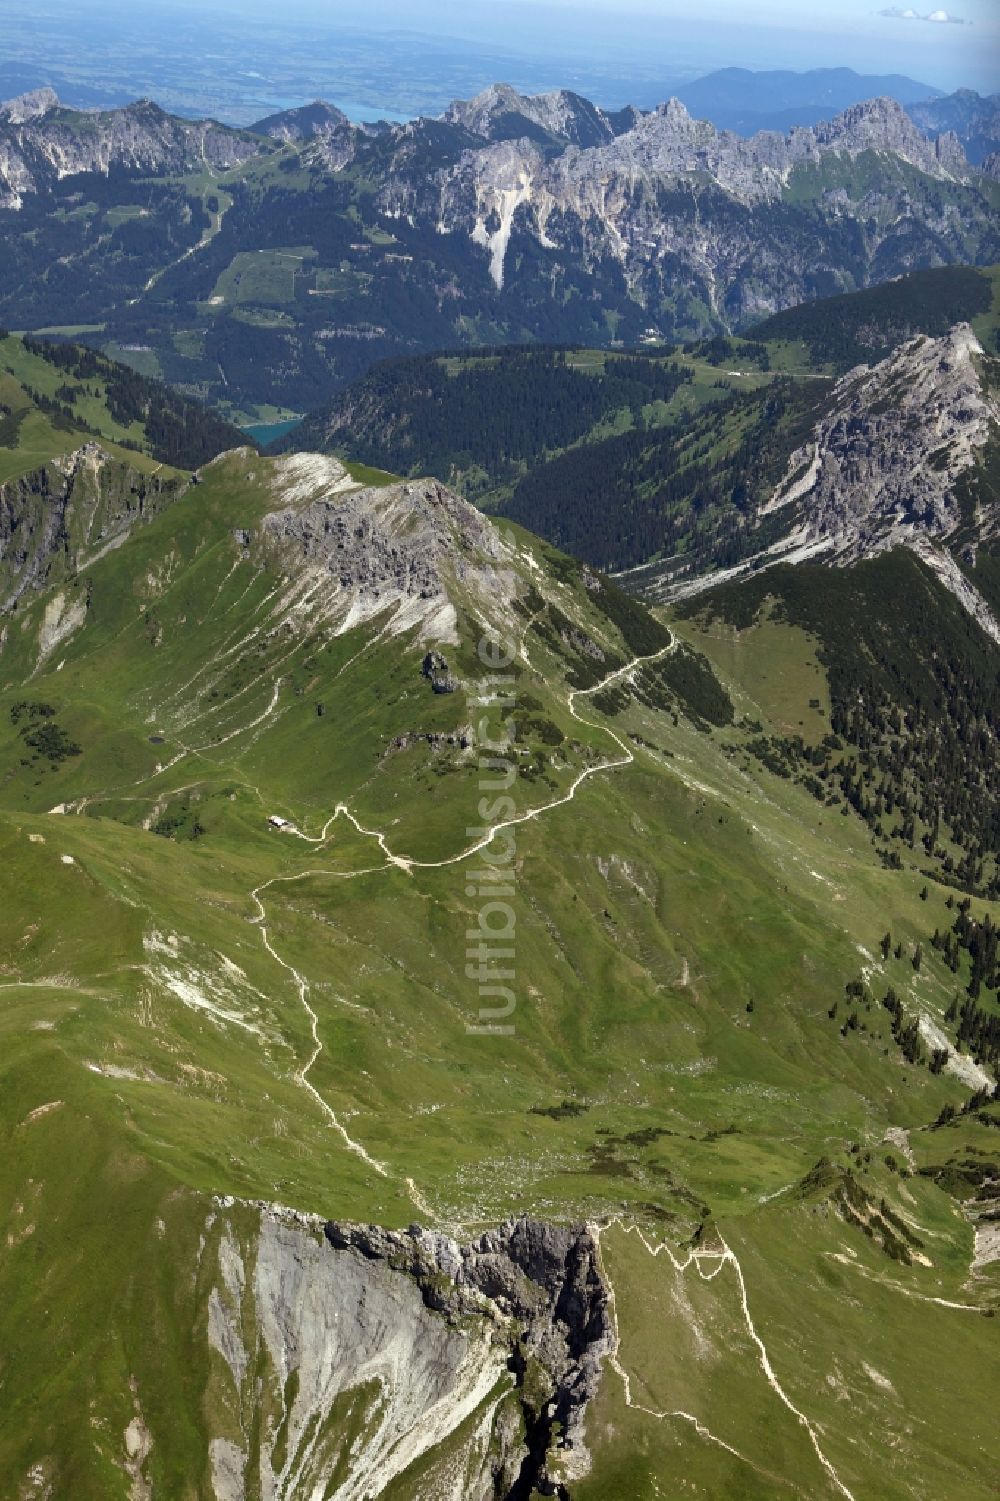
(406, 862)
(722, 1257)
(408, 865)
(302, 1075)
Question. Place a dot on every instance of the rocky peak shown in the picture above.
(950, 153)
(895, 439)
(884, 125)
(292, 125)
(500, 113)
(38, 147)
(871, 119)
(885, 466)
(31, 106)
(415, 548)
(674, 112)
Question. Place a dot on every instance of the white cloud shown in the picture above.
(939, 17)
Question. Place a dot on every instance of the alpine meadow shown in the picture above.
(500, 762)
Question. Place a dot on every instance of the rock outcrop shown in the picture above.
(972, 119)
(302, 124)
(887, 456)
(501, 113)
(892, 462)
(415, 549)
(40, 143)
(30, 106)
(64, 515)
(348, 1353)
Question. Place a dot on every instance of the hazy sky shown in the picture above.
(194, 53)
(945, 46)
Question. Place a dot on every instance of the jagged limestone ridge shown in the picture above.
(67, 513)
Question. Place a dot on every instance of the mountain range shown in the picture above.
(777, 99)
(749, 102)
(499, 890)
(264, 270)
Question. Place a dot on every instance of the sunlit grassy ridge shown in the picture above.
(685, 924)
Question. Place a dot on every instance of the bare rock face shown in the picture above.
(345, 1354)
(416, 549)
(500, 112)
(435, 670)
(65, 515)
(31, 106)
(303, 124)
(887, 455)
(889, 465)
(665, 190)
(543, 1278)
(41, 142)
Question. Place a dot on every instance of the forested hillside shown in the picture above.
(73, 391)
(862, 327)
(490, 416)
(616, 458)
(914, 736)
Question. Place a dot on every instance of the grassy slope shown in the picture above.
(650, 914)
(39, 438)
(31, 436)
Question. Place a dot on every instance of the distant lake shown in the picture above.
(268, 432)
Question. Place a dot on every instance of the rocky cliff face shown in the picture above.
(890, 464)
(975, 121)
(303, 124)
(671, 200)
(65, 515)
(501, 113)
(41, 143)
(886, 458)
(30, 106)
(417, 549)
(346, 1354)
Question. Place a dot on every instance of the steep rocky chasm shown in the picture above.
(345, 1354)
(67, 513)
